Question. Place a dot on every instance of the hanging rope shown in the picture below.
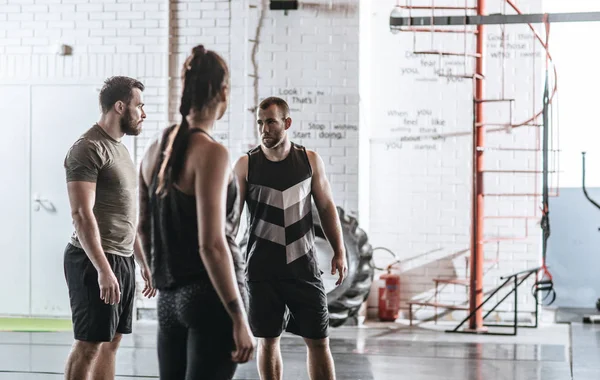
(544, 285)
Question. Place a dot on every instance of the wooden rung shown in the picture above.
(433, 52)
(440, 305)
(427, 7)
(493, 100)
(453, 281)
(485, 261)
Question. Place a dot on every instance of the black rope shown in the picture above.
(544, 285)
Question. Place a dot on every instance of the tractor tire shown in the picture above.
(345, 300)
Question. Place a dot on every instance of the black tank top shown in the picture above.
(175, 257)
(281, 232)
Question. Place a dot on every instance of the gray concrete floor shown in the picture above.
(373, 351)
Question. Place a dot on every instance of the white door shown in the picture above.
(60, 114)
(14, 200)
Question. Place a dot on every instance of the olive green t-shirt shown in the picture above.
(97, 157)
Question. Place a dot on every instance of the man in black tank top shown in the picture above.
(278, 181)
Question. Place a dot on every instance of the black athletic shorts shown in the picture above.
(94, 320)
(296, 306)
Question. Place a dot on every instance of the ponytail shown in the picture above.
(177, 137)
(203, 75)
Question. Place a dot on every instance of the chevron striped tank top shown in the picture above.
(281, 238)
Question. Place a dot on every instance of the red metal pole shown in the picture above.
(476, 288)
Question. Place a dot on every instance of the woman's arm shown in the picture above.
(142, 243)
(211, 177)
(143, 230)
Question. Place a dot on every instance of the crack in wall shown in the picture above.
(255, 67)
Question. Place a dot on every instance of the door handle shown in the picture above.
(39, 202)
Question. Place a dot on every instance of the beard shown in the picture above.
(272, 140)
(129, 126)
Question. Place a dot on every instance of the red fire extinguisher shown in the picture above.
(389, 296)
(389, 292)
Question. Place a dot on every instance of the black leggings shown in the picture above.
(195, 335)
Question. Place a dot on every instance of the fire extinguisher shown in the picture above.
(389, 297)
(389, 292)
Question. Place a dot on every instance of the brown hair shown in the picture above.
(204, 73)
(280, 103)
(118, 88)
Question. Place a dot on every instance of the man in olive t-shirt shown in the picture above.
(99, 260)
(97, 157)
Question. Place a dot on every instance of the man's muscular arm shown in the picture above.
(241, 172)
(328, 214)
(82, 165)
(81, 197)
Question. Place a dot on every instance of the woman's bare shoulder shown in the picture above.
(152, 152)
(205, 151)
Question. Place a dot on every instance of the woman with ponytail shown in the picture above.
(189, 211)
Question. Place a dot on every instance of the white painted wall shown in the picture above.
(14, 200)
(107, 38)
(420, 193)
(578, 99)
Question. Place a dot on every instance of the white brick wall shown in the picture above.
(420, 195)
(149, 40)
(191, 25)
(209, 23)
(107, 38)
(309, 57)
